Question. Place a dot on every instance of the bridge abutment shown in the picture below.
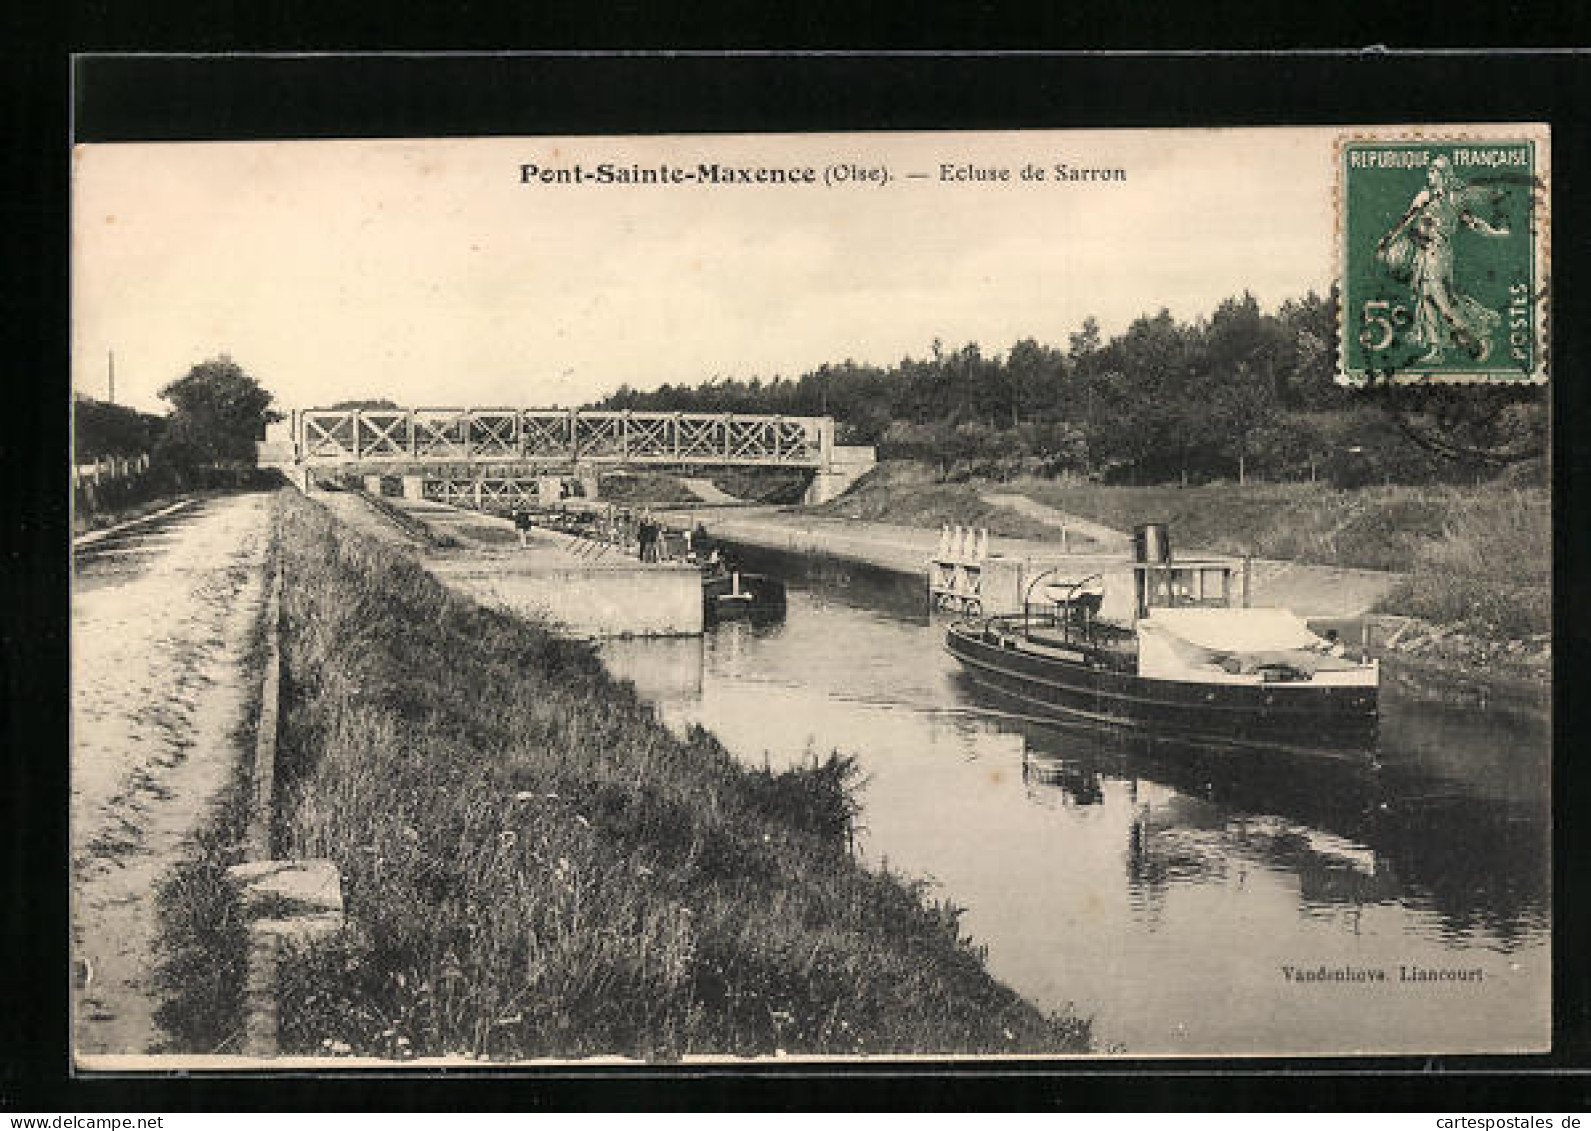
(846, 464)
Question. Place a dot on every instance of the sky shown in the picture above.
(429, 273)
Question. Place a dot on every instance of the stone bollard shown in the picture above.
(286, 901)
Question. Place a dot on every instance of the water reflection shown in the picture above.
(1404, 828)
(1159, 887)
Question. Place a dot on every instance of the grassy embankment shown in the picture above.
(774, 485)
(749, 484)
(1479, 559)
(535, 866)
(644, 488)
(911, 494)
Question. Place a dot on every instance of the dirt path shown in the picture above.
(707, 491)
(161, 621)
(1104, 536)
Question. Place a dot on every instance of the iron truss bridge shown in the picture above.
(559, 437)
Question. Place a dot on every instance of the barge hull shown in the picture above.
(1339, 719)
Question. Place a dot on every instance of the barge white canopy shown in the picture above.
(1235, 630)
(1233, 645)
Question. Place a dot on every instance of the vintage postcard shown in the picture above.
(806, 598)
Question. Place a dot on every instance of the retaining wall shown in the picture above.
(597, 600)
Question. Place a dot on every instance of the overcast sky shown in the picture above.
(427, 273)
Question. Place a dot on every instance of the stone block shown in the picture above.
(289, 887)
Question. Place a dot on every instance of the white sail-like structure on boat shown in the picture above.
(1235, 630)
(1204, 644)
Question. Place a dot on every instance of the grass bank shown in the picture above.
(1479, 559)
(771, 485)
(650, 488)
(911, 494)
(534, 866)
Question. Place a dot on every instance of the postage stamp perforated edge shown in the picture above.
(1538, 135)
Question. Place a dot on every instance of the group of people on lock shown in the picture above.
(648, 533)
(693, 546)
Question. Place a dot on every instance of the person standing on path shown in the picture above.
(647, 537)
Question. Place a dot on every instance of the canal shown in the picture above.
(1167, 893)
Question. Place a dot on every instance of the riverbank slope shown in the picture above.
(536, 867)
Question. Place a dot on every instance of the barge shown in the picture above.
(1185, 663)
(731, 594)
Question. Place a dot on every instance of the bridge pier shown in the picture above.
(549, 489)
(414, 487)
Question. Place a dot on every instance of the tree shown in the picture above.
(218, 412)
(1147, 419)
(380, 403)
(1244, 352)
(103, 429)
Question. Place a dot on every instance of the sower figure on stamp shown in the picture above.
(1419, 250)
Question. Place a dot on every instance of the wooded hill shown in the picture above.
(1242, 393)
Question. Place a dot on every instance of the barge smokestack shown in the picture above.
(1151, 542)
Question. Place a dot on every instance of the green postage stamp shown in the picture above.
(1443, 268)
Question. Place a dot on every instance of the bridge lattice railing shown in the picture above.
(469, 435)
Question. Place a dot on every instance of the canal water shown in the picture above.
(1162, 891)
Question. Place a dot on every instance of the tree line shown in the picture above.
(1241, 393)
(218, 412)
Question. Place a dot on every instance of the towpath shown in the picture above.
(162, 619)
(905, 549)
(1309, 590)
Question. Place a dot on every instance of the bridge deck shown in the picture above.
(558, 436)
